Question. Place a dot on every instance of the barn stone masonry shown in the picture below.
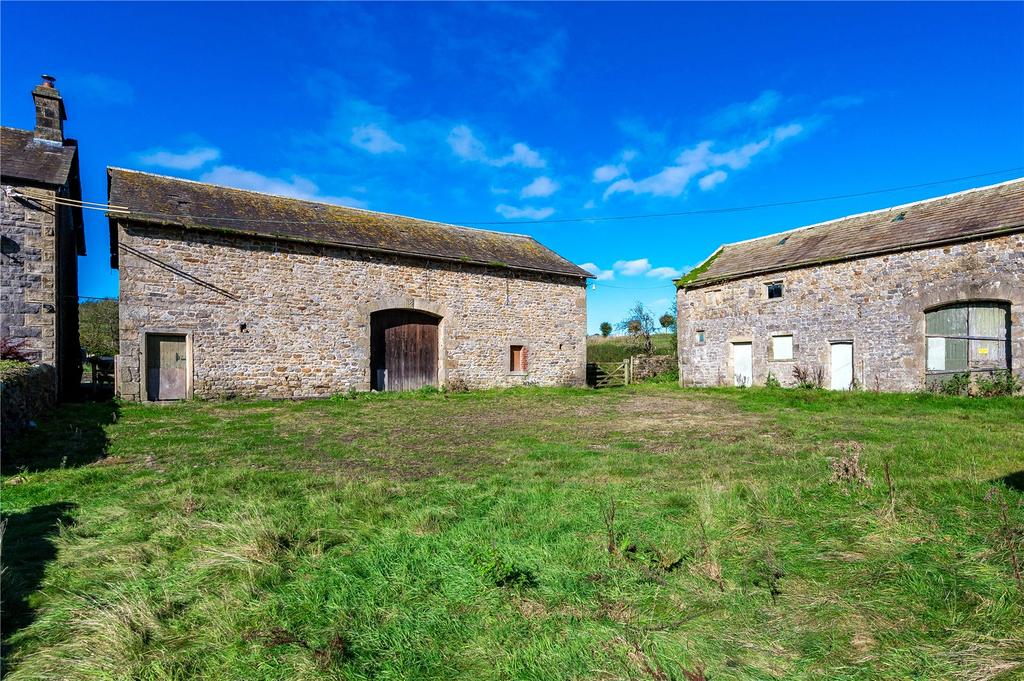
(29, 292)
(282, 319)
(878, 303)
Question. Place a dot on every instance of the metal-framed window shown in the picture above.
(967, 337)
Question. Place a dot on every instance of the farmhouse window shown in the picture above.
(517, 358)
(774, 289)
(700, 337)
(781, 348)
(966, 337)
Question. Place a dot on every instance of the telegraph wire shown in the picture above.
(95, 205)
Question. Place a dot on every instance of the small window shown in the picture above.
(782, 348)
(700, 338)
(517, 358)
(774, 289)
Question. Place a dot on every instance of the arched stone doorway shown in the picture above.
(404, 349)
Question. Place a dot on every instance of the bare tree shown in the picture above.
(640, 326)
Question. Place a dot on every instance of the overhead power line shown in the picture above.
(95, 205)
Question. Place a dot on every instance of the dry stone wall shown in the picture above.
(288, 320)
(877, 302)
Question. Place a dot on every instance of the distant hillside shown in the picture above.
(618, 348)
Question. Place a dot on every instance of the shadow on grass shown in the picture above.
(1014, 481)
(72, 435)
(27, 548)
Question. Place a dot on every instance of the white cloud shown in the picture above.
(744, 112)
(512, 212)
(521, 155)
(542, 186)
(374, 139)
(185, 160)
(468, 147)
(465, 144)
(601, 275)
(673, 180)
(711, 179)
(664, 273)
(607, 173)
(589, 205)
(632, 268)
(297, 187)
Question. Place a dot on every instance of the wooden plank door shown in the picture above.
(166, 367)
(403, 350)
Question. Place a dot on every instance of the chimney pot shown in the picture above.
(48, 81)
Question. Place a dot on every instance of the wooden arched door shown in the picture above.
(403, 349)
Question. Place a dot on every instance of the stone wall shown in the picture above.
(28, 286)
(878, 303)
(283, 320)
(26, 393)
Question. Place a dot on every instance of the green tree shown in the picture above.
(97, 327)
(606, 329)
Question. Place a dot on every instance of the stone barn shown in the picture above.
(226, 292)
(42, 237)
(892, 300)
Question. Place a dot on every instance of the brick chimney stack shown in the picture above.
(50, 115)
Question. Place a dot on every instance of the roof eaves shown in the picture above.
(988, 234)
(147, 219)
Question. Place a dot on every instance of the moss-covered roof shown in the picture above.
(159, 200)
(24, 157)
(973, 214)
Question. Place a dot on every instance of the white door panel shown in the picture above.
(742, 364)
(842, 366)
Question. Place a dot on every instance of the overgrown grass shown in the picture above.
(643, 532)
(618, 348)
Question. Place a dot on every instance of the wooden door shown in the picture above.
(403, 350)
(742, 364)
(166, 367)
(842, 366)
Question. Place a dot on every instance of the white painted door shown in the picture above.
(742, 364)
(842, 366)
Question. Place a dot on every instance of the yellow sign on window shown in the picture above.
(982, 351)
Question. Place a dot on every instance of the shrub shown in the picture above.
(809, 378)
(14, 350)
(999, 384)
(771, 381)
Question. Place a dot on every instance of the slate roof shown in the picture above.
(23, 157)
(162, 200)
(976, 213)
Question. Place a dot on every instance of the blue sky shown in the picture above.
(479, 114)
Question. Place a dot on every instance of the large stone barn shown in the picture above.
(892, 300)
(42, 237)
(226, 292)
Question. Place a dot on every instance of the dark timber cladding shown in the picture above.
(403, 349)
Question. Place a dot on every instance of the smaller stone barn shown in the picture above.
(226, 292)
(42, 237)
(891, 300)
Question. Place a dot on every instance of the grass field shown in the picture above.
(647, 532)
(618, 348)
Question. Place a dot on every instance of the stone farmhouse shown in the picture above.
(891, 300)
(40, 241)
(226, 292)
